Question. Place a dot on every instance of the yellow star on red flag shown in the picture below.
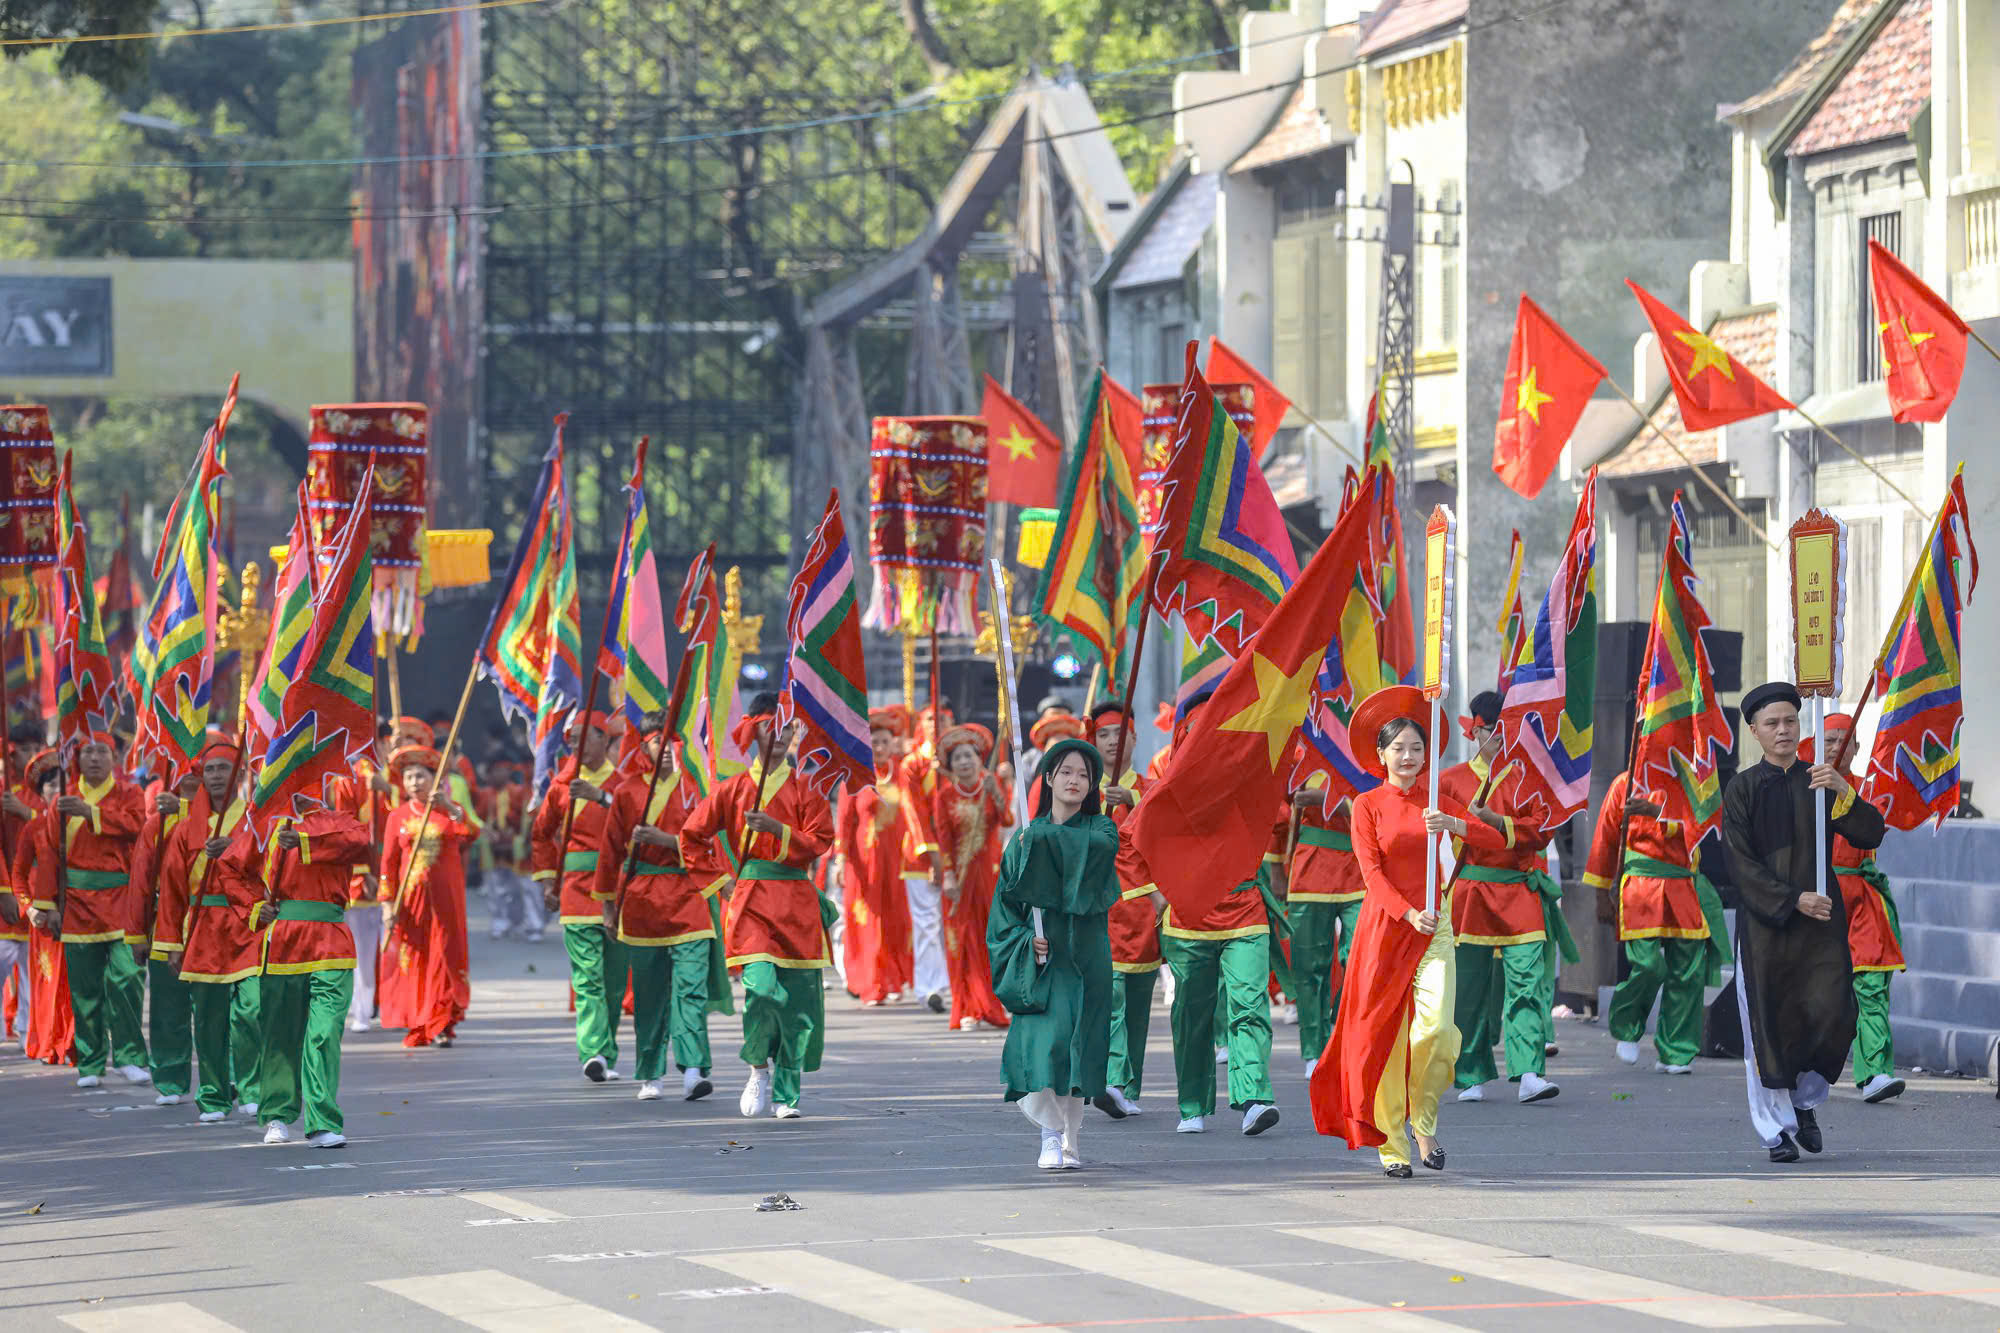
(1280, 704)
(1529, 397)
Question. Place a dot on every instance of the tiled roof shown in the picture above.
(1176, 232)
(1881, 94)
(1299, 130)
(1806, 67)
(1751, 337)
(1401, 21)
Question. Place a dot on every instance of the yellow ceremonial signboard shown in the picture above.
(1440, 551)
(1819, 596)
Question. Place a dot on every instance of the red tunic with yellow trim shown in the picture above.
(1322, 872)
(1241, 911)
(370, 808)
(101, 899)
(870, 830)
(576, 863)
(214, 921)
(148, 871)
(666, 900)
(1134, 920)
(916, 788)
(1871, 934)
(770, 919)
(51, 1023)
(425, 982)
(17, 834)
(976, 820)
(1497, 914)
(1648, 907)
(315, 876)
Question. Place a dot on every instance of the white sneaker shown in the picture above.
(1475, 1093)
(1311, 1065)
(611, 1074)
(693, 1086)
(248, 1108)
(167, 1099)
(1535, 1088)
(1258, 1117)
(594, 1069)
(1193, 1124)
(651, 1091)
(756, 1098)
(1881, 1088)
(1628, 1051)
(787, 1111)
(1070, 1161)
(326, 1138)
(1661, 1067)
(1286, 1015)
(277, 1132)
(134, 1074)
(1052, 1153)
(212, 1117)
(357, 1025)
(1121, 1101)
(1222, 1055)
(1550, 1048)
(88, 1080)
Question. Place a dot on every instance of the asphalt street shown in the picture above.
(489, 1186)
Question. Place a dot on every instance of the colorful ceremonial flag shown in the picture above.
(826, 679)
(118, 601)
(1205, 826)
(1127, 421)
(1375, 431)
(1203, 665)
(87, 693)
(1549, 382)
(1090, 585)
(1924, 342)
(291, 624)
(324, 718)
(1224, 555)
(1385, 542)
(1549, 685)
(1269, 405)
(1512, 622)
(1682, 730)
(1712, 387)
(633, 656)
(711, 709)
(1913, 769)
(1024, 457)
(1352, 668)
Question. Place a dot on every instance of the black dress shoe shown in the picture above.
(1434, 1159)
(1786, 1151)
(1102, 1101)
(1400, 1171)
(1809, 1136)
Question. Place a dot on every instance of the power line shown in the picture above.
(287, 25)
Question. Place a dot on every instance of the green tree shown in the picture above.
(112, 63)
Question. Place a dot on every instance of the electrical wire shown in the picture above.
(287, 25)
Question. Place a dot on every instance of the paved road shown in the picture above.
(490, 1187)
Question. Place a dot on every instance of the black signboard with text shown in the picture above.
(54, 325)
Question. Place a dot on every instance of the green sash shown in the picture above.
(579, 862)
(1310, 836)
(212, 900)
(1880, 882)
(1274, 906)
(92, 880)
(1560, 942)
(1717, 952)
(654, 868)
(294, 909)
(755, 869)
(1653, 868)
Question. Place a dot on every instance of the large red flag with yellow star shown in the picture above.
(1023, 456)
(1712, 387)
(1549, 379)
(1205, 826)
(1923, 340)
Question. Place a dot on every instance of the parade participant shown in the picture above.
(99, 822)
(1874, 937)
(598, 970)
(309, 963)
(1050, 945)
(220, 954)
(1794, 974)
(869, 833)
(170, 1001)
(969, 804)
(1134, 925)
(1323, 892)
(923, 862)
(770, 827)
(19, 804)
(425, 981)
(1503, 907)
(1393, 1049)
(365, 797)
(50, 1024)
(515, 902)
(1221, 963)
(663, 911)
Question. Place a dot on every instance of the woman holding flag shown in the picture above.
(424, 985)
(970, 806)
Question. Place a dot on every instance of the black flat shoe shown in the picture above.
(1786, 1151)
(1400, 1171)
(1434, 1159)
(1102, 1101)
(1809, 1136)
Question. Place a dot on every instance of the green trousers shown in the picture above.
(246, 1038)
(1872, 1051)
(784, 1024)
(1131, 1017)
(1671, 969)
(169, 1027)
(1320, 933)
(299, 1068)
(670, 1005)
(1502, 986)
(107, 991)
(1220, 980)
(597, 973)
(228, 1042)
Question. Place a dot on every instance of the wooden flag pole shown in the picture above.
(443, 776)
(1848, 449)
(1153, 567)
(1990, 350)
(669, 728)
(1005, 645)
(1647, 421)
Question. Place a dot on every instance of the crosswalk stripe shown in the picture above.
(1912, 1274)
(1559, 1277)
(877, 1301)
(513, 1207)
(500, 1303)
(170, 1317)
(1230, 1289)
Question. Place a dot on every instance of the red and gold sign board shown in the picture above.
(1440, 556)
(345, 438)
(926, 522)
(1819, 601)
(1161, 404)
(27, 497)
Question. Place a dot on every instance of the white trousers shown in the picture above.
(366, 923)
(1774, 1112)
(1050, 1112)
(514, 900)
(14, 963)
(927, 936)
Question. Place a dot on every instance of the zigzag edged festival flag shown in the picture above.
(1090, 585)
(1913, 769)
(1226, 558)
(1549, 688)
(826, 677)
(118, 597)
(325, 716)
(291, 626)
(1682, 730)
(87, 687)
(1203, 665)
(1513, 622)
(710, 711)
(633, 655)
(1352, 668)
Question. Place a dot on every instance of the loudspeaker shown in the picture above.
(1725, 658)
(1621, 652)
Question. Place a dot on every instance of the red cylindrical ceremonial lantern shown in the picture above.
(395, 437)
(926, 521)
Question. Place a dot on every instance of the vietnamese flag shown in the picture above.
(1923, 340)
(1712, 387)
(1549, 379)
(1023, 456)
(1267, 405)
(1205, 826)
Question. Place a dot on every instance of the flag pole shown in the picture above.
(1436, 760)
(1132, 673)
(1990, 350)
(443, 775)
(1819, 799)
(1003, 613)
(668, 727)
(1646, 420)
(1848, 449)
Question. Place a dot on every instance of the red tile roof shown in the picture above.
(1751, 337)
(1298, 130)
(1881, 95)
(1807, 65)
(1401, 21)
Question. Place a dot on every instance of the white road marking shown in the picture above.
(1913, 1274)
(1214, 1285)
(879, 1302)
(519, 1209)
(1559, 1277)
(172, 1317)
(500, 1303)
